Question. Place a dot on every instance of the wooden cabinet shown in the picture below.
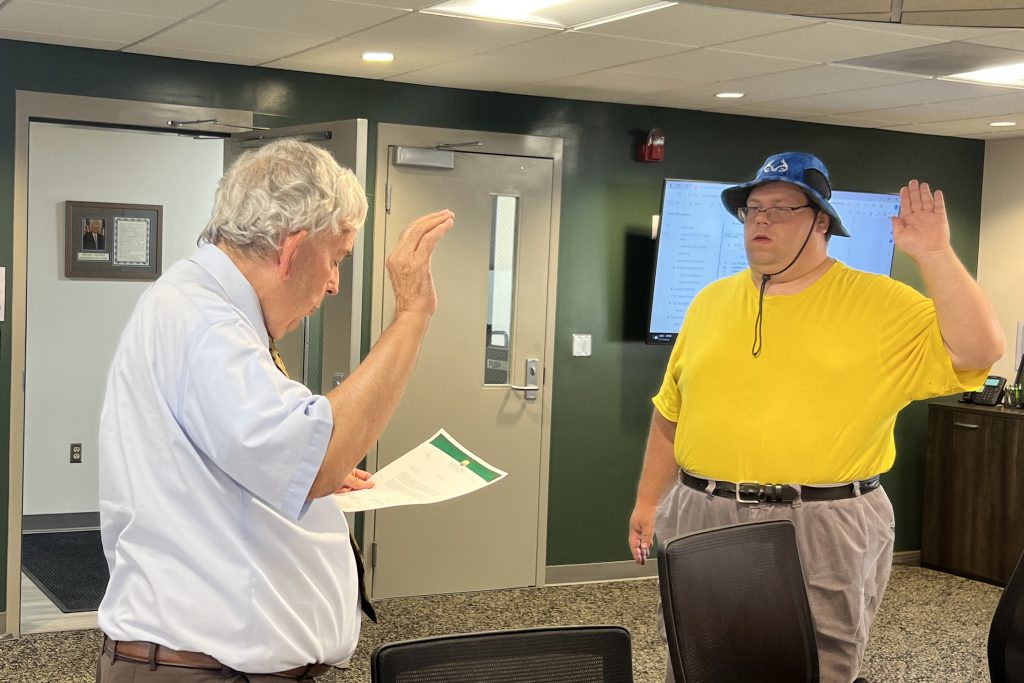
(974, 491)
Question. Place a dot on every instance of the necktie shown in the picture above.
(364, 595)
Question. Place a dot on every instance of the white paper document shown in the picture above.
(438, 469)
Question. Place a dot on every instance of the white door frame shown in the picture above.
(68, 109)
(490, 143)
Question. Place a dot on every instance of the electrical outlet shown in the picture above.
(76, 453)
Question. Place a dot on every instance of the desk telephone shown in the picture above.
(991, 393)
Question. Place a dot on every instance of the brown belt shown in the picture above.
(150, 653)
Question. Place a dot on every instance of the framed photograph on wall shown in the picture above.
(112, 241)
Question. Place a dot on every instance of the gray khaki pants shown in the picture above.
(845, 551)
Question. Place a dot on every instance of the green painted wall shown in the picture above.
(601, 408)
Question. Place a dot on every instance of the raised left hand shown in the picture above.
(922, 226)
(356, 481)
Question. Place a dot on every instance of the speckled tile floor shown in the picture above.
(932, 627)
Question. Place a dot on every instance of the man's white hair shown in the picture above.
(282, 188)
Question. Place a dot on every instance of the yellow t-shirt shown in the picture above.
(839, 360)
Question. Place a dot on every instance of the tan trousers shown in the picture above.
(845, 551)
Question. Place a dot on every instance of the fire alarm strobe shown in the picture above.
(653, 149)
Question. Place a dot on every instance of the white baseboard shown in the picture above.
(599, 571)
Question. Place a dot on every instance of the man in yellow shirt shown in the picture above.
(827, 356)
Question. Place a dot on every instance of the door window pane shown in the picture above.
(500, 288)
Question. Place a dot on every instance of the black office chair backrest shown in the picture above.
(735, 605)
(1006, 635)
(569, 654)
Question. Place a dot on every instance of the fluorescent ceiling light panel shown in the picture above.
(1006, 75)
(730, 95)
(555, 14)
(378, 57)
(1002, 124)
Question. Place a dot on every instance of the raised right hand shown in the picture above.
(409, 262)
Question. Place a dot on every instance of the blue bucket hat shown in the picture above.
(796, 168)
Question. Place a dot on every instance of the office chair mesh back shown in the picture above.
(735, 605)
(1006, 635)
(573, 654)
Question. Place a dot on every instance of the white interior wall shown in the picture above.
(73, 325)
(1002, 240)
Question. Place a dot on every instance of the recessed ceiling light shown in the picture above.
(1002, 124)
(378, 57)
(730, 95)
(1007, 75)
(552, 14)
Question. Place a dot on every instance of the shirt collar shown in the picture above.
(239, 292)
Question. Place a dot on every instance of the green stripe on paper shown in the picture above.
(446, 446)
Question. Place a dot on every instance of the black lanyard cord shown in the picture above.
(755, 349)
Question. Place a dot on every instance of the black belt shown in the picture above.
(780, 493)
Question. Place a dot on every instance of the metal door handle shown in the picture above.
(965, 425)
(530, 387)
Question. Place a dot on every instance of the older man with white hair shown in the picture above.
(228, 559)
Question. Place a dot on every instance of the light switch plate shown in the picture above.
(581, 344)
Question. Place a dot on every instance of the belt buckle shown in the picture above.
(758, 493)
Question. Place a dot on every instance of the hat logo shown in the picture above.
(780, 167)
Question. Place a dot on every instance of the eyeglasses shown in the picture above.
(775, 214)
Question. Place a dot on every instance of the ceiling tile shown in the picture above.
(996, 105)
(197, 55)
(1013, 40)
(815, 105)
(616, 80)
(343, 57)
(873, 17)
(585, 49)
(922, 113)
(486, 73)
(240, 41)
(942, 33)
(176, 9)
(699, 26)
(44, 18)
(907, 94)
(962, 127)
(835, 120)
(828, 42)
(772, 110)
(935, 5)
(453, 34)
(711, 64)
(590, 94)
(807, 82)
(396, 4)
(981, 16)
(71, 41)
(805, 7)
(316, 17)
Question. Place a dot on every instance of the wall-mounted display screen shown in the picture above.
(699, 242)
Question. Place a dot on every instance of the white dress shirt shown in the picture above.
(207, 453)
